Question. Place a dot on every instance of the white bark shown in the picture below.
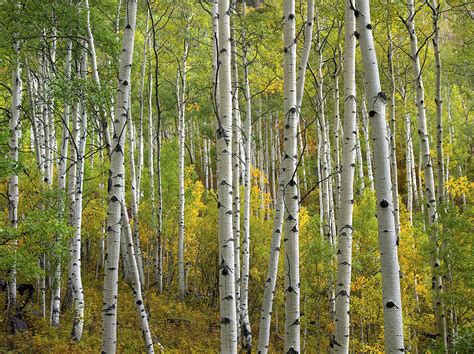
(13, 144)
(181, 98)
(136, 285)
(56, 291)
(76, 279)
(368, 152)
(408, 167)
(133, 194)
(438, 100)
(427, 166)
(290, 160)
(243, 303)
(340, 340)
(391, 297)
(270, 283)
(392, 134)
(237, 155)
(109, 335)
(224, 187)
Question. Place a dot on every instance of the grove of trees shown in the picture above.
(243, 176)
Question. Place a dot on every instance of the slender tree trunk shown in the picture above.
(391, 297)
(76, 283)
(408, 167)
(392, 131)
(270, 283)
(236, 160)
(13, 144)
(427, 165)
(133, 193)
(136, 285)
(438, 100)
(368, 152)
(340, 340)
(181, 96)
(109, 335)
(56, 291)
(158, 257)
(290, 161)
(224, 186)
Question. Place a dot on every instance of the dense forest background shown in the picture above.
(60, 102)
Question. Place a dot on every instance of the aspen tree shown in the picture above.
(427, 165)
(236, 160)
(136, 285)
(76, 283)
(244, 316)
(289, 163)
(109, 327)
(340, 339)
(56, 291)
(181, 98)
(365, 132)
(224, 185)
(388, 245)
(13, 144)
(392, 132)
(133, 193)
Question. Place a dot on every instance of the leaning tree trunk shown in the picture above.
(134, 194)
(290, 161)
(136, 285)
(340, 340)
(427, 165)
(224, 186)
(270, 283)
(13, 144)
(109, 327)
(391, 297)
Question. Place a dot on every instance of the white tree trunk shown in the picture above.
(438, 100)
(56, 291)
(133, 193)
(368, 152)
(237, 155)
(392, 134)
(340, 340)
(136, 285)
(427, 165)
(290, 160)
(391, 297)
(181, 97)
(13, 144)
(243, 303)
(224, 187)
(408, 167)
(270, 283)
(117, 171)
(76, 283)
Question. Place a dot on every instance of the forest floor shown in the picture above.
(191, 326)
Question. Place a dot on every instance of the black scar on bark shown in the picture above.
(372, 113)
(356, 34)
(291, 16)
(384, 203)
(292, 351)
(369, 26)
(225, 320)
(139, 302)
(390, 305)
